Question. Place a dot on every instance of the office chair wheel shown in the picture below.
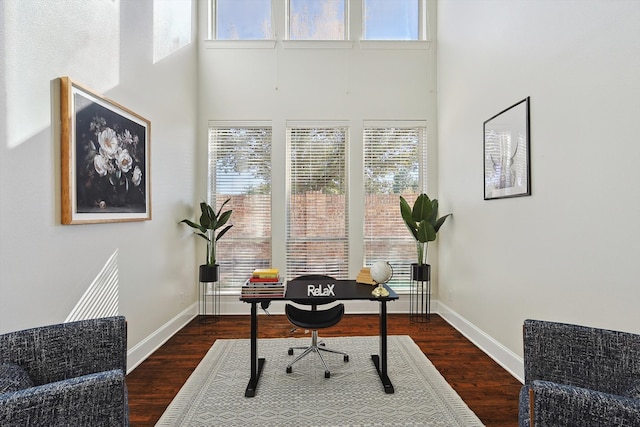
(327, 374)
(289, 370)
(290, 352)
(346, 357)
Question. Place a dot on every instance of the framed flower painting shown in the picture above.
(105, 159)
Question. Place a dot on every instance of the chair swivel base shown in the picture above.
(315, 348)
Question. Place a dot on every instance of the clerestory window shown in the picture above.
(317, 20)
(327, 20)
(241, 20)
(393, 20)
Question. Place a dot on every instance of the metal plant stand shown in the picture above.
(420, 293)
(209, 289)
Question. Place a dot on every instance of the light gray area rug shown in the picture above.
(353, 396)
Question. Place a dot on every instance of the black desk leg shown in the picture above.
(380, 361)
(256, 363)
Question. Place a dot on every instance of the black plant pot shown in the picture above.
(421, 272)
(209, 273)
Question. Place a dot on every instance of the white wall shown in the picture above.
(45, 267)
(568, 252)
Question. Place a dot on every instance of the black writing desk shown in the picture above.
(343, 290)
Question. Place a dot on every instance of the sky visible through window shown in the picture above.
(382, 19)
(316, 20)
(390, 19)
(171, 27)
(243, 19)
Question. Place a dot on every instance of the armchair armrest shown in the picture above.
(91, 400)
(561, 405)
(58, 352)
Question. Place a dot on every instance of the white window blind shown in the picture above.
(240, 170)
(395, 159)
(317, 20)
(317, 235)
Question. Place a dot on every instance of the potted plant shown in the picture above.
(209, 229)
(423, 223)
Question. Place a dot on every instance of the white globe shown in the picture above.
(381, 272)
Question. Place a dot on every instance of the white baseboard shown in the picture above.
(139, 352)
(510, 361)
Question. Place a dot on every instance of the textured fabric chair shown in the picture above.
(71, 374)
(579, 376)
(314, 319)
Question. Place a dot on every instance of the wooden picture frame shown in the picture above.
(507, 171)
(105, 154)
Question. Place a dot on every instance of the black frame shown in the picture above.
(507, 169)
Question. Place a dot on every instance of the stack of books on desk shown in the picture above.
(264, 283)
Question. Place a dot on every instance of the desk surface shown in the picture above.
(297, 289)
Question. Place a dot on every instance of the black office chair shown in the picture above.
(314, 319)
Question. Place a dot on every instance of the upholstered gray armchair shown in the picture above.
(579, 376)
(71, 374)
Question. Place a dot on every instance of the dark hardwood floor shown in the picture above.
(489, 390)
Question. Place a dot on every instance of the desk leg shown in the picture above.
(256, 363)
(380, 361)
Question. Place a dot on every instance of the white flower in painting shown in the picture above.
(137, 176)
(127, 138)
(101, 165)
(108, 140)
(124, 160)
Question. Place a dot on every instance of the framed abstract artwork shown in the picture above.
(507, 171)
(105, 154)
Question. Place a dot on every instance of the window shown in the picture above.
(328, 20)
(240, 170)
(394, 164)
(393, 20)
(241, 20)
(317, 236)
(171, 27)
(317, 20)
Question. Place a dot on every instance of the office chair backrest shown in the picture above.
(316, 301)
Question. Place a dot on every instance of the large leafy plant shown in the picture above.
(209, 227)
(422, 221)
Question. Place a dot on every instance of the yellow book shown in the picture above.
(266, 273)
